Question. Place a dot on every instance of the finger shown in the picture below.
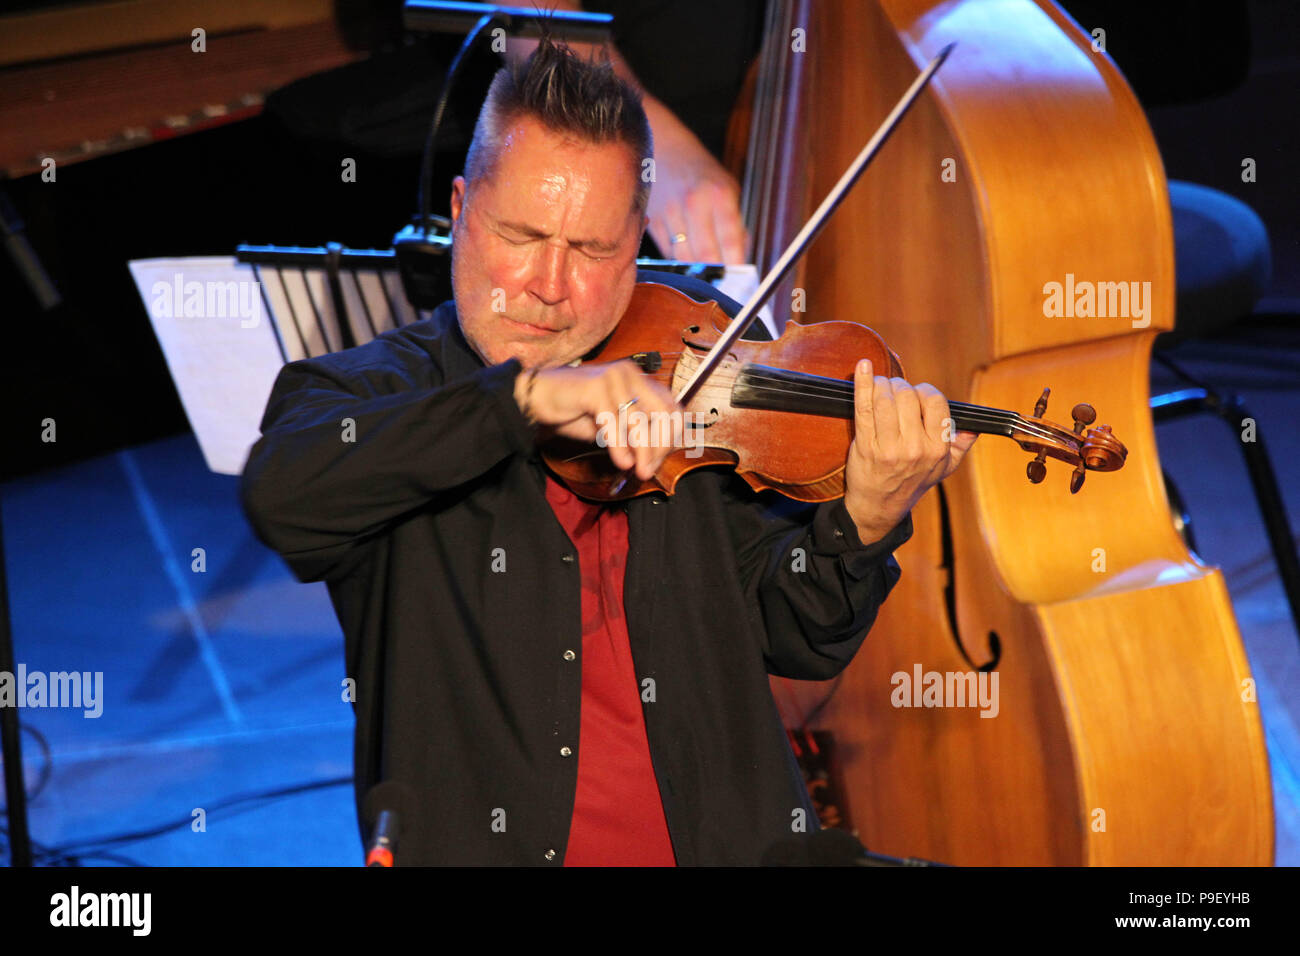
(732, 235)
(666, 421)
(936, 420)
(961, 444)
(662, 233)
(934, 413)
(615, 431)
(629, 382)
(659, 233)
(648, 420)
(864, 414)
(911, 430)
(700, 234)
(672, 225)
(583, 429)
(886, 416)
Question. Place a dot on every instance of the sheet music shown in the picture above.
(740, 282)
(220, 346)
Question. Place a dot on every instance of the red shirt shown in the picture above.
(618, 816)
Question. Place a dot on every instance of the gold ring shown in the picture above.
(679, 237)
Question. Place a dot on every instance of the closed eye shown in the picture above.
(515, 240)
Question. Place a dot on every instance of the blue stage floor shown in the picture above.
(228, 682)
(217, 684)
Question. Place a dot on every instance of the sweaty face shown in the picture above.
(544, 254)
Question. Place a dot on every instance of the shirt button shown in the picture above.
(566, 558)
(569, 655)
(566, 752)
(549, 854)
(839, 533)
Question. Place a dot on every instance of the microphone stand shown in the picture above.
(20, 845)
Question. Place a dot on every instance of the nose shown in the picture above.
(548, 282)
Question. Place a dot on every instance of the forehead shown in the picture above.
(539, 169)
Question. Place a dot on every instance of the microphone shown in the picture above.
(388, 806)
(831, 847)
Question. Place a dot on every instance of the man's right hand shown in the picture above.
(570, 402)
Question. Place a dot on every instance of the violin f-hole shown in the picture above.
(692, 344)
(692, 423)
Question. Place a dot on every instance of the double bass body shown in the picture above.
(1125, 731)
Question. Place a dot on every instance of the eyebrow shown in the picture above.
(532, 232)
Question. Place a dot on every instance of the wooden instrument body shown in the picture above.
(1125, 731)
(801, 456)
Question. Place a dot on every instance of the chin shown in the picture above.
(527, 355)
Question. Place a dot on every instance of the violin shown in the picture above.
(781, 412)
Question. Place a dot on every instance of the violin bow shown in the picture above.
(745, 317)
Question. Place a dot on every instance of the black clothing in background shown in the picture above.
(469, 679)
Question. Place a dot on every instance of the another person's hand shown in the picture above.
(694, 203)
(584, 402)
(694, 206)
(904, 443)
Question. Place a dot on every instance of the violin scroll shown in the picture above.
(1087, 448)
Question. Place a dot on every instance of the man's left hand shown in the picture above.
(904, 443)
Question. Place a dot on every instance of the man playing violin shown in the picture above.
(556, 682)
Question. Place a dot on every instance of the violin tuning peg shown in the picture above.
(1036, 469)
(1076, 479)
(1040, 407)
(1083, 415)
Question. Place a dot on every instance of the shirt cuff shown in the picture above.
(499, 382)
(836, 534)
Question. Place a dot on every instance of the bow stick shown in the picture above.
(745, 317)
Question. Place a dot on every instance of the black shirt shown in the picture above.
(459, 597)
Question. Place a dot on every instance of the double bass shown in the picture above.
(1126, 729)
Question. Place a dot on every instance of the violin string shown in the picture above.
(975, 413)
(841, 388)
(973, 417)
(844, 391)
(841, 391)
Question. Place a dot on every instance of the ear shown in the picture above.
(457, 197)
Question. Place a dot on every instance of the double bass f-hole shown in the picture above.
(950, 593)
